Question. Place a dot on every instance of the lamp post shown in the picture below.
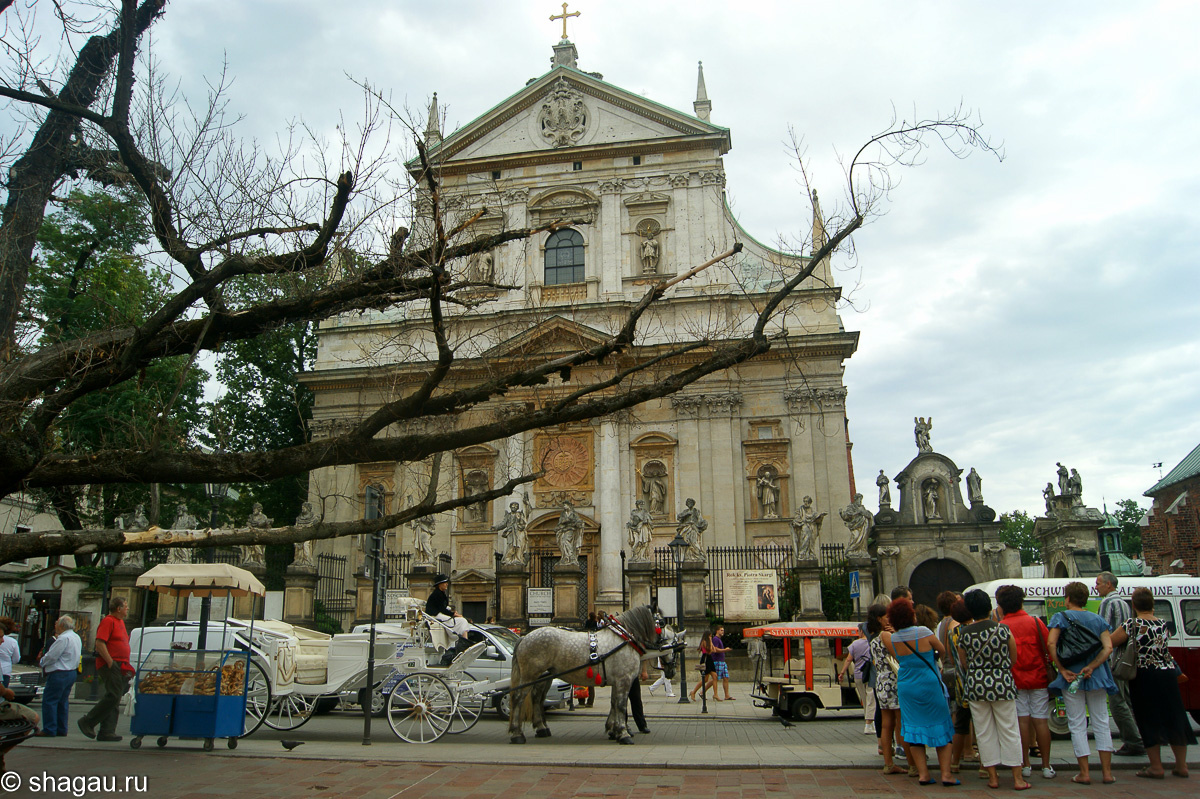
(216, 493)
(678, 547)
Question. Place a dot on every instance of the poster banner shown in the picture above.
(540, 601)
(751, 595)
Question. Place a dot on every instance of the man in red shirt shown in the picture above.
(1029, 673)
(113, 670)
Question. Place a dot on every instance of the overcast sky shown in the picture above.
(1039, 309)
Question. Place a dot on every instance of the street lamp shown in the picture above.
(216, 493)
(678, 547)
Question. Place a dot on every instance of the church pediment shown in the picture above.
(563, 109)
(555, 336)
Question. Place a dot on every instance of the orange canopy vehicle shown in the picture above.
(807, 684)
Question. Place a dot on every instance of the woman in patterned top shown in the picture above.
(987, 651)
(886, 698)
(1154, 693)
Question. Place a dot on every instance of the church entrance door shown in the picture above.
(935, 576)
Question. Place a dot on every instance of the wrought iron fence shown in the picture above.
(541, 575)
(331, 594)
(835, 583)
(772, 556)
(396, 567)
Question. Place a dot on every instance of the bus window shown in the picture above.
(1191, 616)
(1162, 610)
(1035, 608)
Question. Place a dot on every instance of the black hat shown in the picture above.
(440, 578)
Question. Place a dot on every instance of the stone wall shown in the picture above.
(1173, 528)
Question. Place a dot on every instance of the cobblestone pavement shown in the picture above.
(174, 774)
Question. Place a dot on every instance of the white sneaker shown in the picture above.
(670, 694)
(869, 729)
(1026, 771)
(1048, 773)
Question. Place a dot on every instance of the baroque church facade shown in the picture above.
(645, 185)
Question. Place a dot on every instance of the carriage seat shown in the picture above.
(311, 654)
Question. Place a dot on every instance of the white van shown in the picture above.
(1176, 601)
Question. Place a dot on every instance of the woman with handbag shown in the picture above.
(1154, 687)
(1080, 644)
(924, 712)
(707, 669)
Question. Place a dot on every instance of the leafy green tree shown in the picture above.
(1129, 514)
(1017, 532)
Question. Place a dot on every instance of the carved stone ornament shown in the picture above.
(680, 180)
(804, 398)
(690, 404)
(614, 186)
(888, 552)
(554, 499)
(564, 118)
(712, 179)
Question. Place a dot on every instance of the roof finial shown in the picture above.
(819, 236)
(563, 16)
(702, 106)
(433, 133)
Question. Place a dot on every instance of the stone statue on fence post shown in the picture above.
(302, 551)
(692, 526)
(641, 532)
(255, 555)
(512, 530)
(569, 534)
(806, 530)
(859, 522)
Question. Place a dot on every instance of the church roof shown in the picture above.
(642, 119)
(1188, 467)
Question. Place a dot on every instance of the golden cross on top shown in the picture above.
(563, 16)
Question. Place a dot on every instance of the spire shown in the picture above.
(819, 236)
(433, 133)
(702, 106)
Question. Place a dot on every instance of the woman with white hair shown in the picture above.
(61, 664)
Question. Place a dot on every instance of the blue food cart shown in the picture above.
(193, 693)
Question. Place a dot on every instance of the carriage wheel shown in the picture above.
(420, 708)
(258, 699)
(290, 711)
(467, 709)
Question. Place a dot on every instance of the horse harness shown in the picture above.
(595, 659)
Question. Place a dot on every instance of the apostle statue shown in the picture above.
(512, 530)
(1064, 478)
(692, 526)
(569, 534)
(476, 483)
(974, 487)
(768, 493)
(859, 522)
(641, 531)
(183, 521)
(650, 252)
(137, 520)
(422, 530)
(806, 530)
(885, 490)
(1048, 495)
(256, 554)
(921, 431)
(1075, 488)
(654, 487)
(303, 550)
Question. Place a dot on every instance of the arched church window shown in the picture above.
(564, 257)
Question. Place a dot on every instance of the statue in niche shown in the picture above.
(1075, 487)
(806, 530)
(975, 487)
(859, 522)
(512, 530)
(1064, 478)
(921, 431)
(422, 530)
(692, 526)
(477, 483)
(256, 554)
(650, 254)
(569, 534)
(654, 487)
(302, 551)
(885, 490)
(641, 531)
(482, 268)
(768, 493)
(1048, 495)
(931, 501)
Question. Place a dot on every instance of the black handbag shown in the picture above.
(1077, 645)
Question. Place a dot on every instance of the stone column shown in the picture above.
(299, 595)
(246, 606)
(566, 594)
(694, 605)
(641, 579)
(889, 568)
(513, 581)
(608, 503)
(808, 580)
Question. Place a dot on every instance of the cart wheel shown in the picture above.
(135, 743)
(290, 711)
(162, 741)
(804, 708)
(467, 708)
(231, 743)
(208, 744)
(258, 699)
(420, 708)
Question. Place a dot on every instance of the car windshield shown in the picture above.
(504, 636)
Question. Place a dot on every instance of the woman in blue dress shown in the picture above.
(1093, 682)
(924, 709)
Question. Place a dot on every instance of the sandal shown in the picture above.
(1149, 775)
(889, 770)
(1109, 781)
(1183, 775)
(1024, 787)
(1076, 779)
(926, 782)
(953, 768)
(951, 783)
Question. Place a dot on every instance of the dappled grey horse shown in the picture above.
(608, 656)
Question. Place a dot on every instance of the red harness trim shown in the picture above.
(611, 622)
